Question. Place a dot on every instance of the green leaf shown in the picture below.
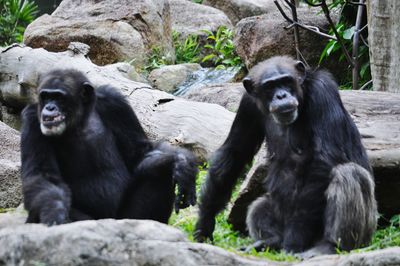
(348, 34)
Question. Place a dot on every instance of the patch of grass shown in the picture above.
(188, 50)
(224, 236)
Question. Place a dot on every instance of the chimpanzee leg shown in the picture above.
(264, 226)
(351, 211)
(151, 194)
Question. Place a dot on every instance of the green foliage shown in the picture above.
(188, 50)
(346, 31)
(197, 1)
(156, 59)
(218, 52)
(220, 49)
(15, 16)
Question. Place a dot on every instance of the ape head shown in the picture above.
(65, 99)
(276, 86)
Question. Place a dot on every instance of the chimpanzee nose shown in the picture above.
(281, 95)
(51, 107)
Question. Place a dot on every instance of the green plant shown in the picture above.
(186, 51)
(220, 49)
(197, 1)
(15, 16)
(156, 59)
(346, 31)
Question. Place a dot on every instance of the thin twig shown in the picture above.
(364, 41)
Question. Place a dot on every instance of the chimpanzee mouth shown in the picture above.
(285, 117)
(51, 121)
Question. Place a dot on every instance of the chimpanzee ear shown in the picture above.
(87, 92)
(301, 70)
(248, 85)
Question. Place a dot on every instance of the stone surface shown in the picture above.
(227, 95)
(138, 242)
(167, 78)
(116, 30)
(191, 18)
(10, 185)
(239, 9)
(261, 37)
(109, 242)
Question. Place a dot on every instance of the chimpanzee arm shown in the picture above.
(244, 140)
(118, 116)
(46, 196)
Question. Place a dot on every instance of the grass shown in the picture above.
(228, 239)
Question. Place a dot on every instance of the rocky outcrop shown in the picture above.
(227, 95)
(239, 9)
(116, 30)
(261, 37)
(167, 78)
(110, 242)
(139, 242)
(191, 18)
(10, 163)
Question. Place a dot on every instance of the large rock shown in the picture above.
(10, 163)
(167, 78)
(116, 30)
(261, 37)
(109, 242)
(199, 126)
(227, 95)
(239, 9)
(139, 242)
(191, 18)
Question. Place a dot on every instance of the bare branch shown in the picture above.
(314, 29)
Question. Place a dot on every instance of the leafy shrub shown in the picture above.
(188, 50)
(220, 49)
(15, 16)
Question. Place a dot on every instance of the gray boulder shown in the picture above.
(109, 242)
(191, 18)
(227, 95)
(10, 163)
(239, 9)
(167, 78)
(115, 30)
(261, 37)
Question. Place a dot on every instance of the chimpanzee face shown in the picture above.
(276, 87)
(63, 102)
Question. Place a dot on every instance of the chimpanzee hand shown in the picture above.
(185, 172)
(54, 213)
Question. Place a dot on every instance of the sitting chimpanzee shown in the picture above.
(86, 156)
(319, 187)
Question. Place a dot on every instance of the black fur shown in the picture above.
(102, 165)
(303, 153)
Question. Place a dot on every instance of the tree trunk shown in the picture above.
(384, 33)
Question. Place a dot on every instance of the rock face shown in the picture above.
(139, 242)
(10, 163)
(261, 37)
(167, 78)
(227, 95)
(109, 242)
(239, 9)
(191, 18)
(116, 30)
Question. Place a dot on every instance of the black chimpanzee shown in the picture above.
(319, 187)
(86, 156)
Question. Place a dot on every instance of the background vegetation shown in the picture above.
(15, 15)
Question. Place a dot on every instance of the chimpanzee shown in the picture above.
(319, 190)
(86, 156)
